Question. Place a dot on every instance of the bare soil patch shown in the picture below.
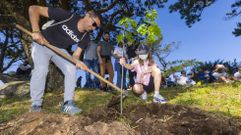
(151, 119)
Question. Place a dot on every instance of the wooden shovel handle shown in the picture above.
(60, 53)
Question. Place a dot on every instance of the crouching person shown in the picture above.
(148, 75)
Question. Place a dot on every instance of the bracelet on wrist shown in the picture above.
(35, 31)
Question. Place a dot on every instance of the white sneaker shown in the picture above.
(144, 96)
(159, 99)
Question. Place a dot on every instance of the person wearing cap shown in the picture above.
(220, 74)
(68, 30)
(148, 75)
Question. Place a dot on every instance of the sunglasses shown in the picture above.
(94, 24)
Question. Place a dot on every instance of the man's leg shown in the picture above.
(156, 74)
(41, 56)
(102, 71)
(87, 74)
(69, 71)
(131, 77)
(110, 70)
(118, 73)
(96, 70)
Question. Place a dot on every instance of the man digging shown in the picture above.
(68, 30)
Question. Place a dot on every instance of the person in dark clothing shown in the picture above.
(131, 57)
(24, 69)
(105, 52)
(78, 83)
(91, 60)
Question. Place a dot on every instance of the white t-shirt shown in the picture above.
(182, 80)
(120, 51)
(217, 75)
(237, 75)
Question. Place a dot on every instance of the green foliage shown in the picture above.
(232, 66)
(237, 31)
(148, 29)
(190, 10)
(142, 30)
(179, 65)
(151, 16)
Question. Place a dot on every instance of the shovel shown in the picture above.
(115, 99)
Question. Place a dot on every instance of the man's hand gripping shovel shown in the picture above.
(115, 99)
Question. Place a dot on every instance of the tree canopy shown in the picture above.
(111, 11)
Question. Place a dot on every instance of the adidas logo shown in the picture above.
(70, 33)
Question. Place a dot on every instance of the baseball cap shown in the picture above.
(142, 49)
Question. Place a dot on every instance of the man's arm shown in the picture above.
(34, 14)
(76, 56)
(98, 53)
(77, 53)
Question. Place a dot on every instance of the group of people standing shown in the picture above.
(98, 57)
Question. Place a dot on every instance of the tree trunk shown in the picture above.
(55, 80)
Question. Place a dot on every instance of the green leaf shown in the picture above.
(120, 38)
(142, 30)
(133, 23)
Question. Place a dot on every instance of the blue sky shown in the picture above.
(209, 39)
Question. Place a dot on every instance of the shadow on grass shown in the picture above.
(12, 107)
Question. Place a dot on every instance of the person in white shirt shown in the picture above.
(120, 52)
(184, 79)
(237, 75)
(219, 73)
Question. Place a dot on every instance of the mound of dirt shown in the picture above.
(150, 119)
(57, 124)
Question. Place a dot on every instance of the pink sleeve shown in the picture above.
(134, 64)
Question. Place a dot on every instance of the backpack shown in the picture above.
(51, 23)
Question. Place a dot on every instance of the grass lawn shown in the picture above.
(224, 99)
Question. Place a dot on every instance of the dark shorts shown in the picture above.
(150, 87)
(106, 58)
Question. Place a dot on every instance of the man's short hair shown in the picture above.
(106, 33)
(93, 14)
